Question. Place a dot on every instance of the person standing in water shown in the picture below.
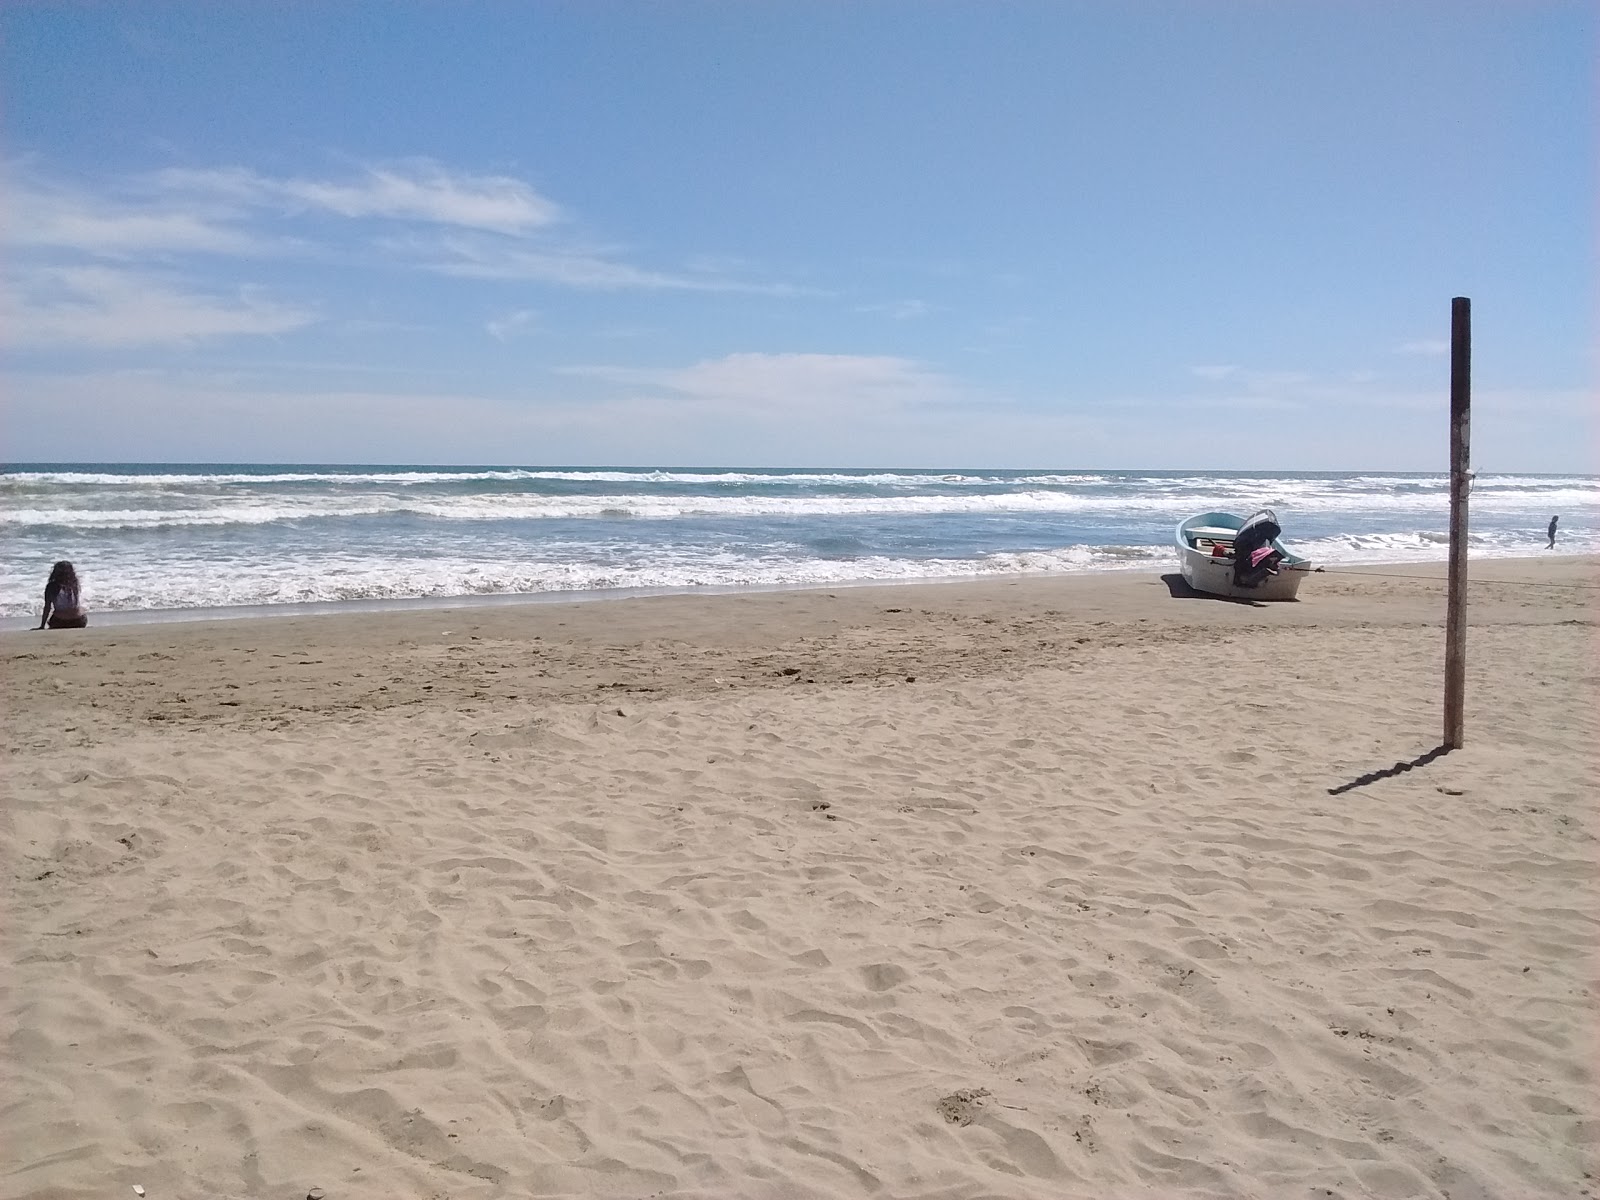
(63, 606)
(1552, 532)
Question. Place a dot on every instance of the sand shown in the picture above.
(1051, 887)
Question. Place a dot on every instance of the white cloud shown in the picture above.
(898, 310)
(755, 384)
(739, 410)
(569, 266)
(43, 216)
(1254, 380)
(1554, 404)
(104, 308)
(1299, 395)
(776, 409)
(1431, 347)
(416, 214)
(417, 190)
(218, 210)
(177, 415)
(513, 324)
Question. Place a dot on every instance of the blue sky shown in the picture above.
(1114, 234)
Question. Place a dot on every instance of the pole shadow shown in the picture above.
(1400, 768)
(1178, 588)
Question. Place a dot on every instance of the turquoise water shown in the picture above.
(160, 537)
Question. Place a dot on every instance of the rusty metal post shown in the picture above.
(1455, 630)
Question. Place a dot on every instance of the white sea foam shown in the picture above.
(408, 478)
(402, 478)
(138, 584)
(185, 539)
(521, 506)
(1428, 545)
(135, 584)
(240, 512)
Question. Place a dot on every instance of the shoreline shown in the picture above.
(126, 618)
(261, 672)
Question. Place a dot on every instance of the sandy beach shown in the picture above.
(1037, 887)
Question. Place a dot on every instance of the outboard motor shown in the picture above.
(1254, 558)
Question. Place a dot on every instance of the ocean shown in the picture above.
(156, 538)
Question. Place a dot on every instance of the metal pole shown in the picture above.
(1455, 631)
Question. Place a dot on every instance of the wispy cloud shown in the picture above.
(898, 310)
(416, 190)
(229, 210)
(1573, 407)
(38, 215)
(103, 308)
(767, 408)
(1292, 391)
(1432, 347)
(513, 324)
(754, 383)
(173, 411)
(1253, 379)
(569, 266)
(416, 214)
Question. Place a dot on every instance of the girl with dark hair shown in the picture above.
(63, 607)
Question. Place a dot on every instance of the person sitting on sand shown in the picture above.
(63, 607)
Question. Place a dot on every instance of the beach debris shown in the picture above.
(137, 1190)
(961, 1108)
(315, 1194)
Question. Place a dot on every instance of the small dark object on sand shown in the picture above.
(960, 1108)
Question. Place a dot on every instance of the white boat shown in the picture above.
(1206, 556)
